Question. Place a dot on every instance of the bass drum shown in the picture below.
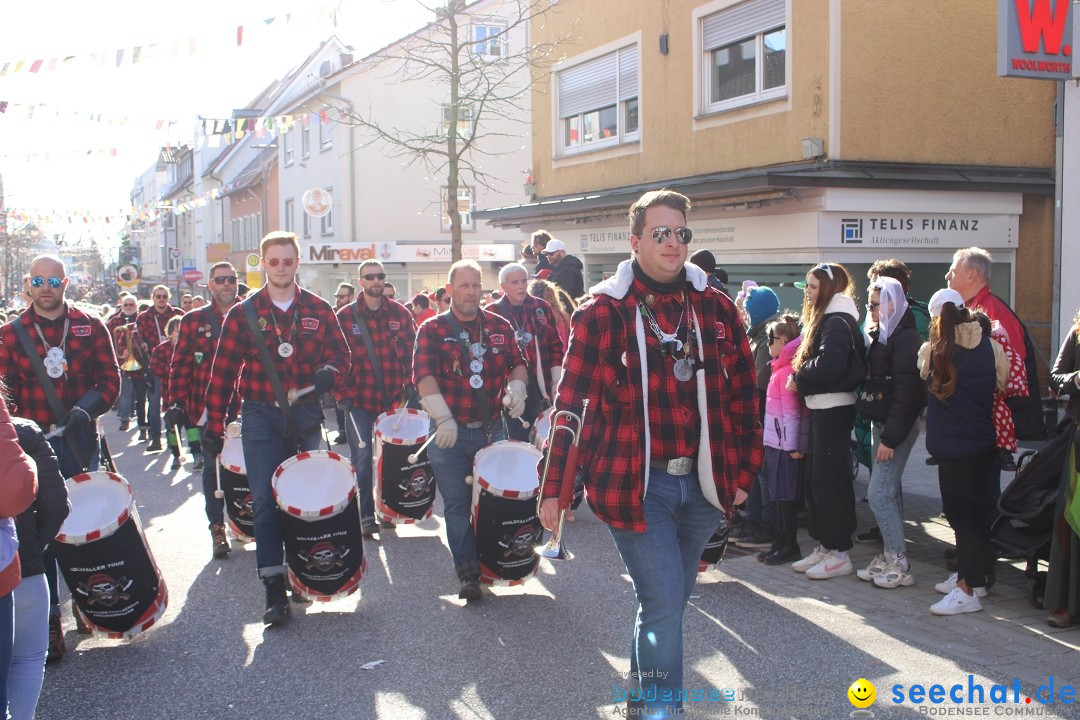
(404, 491)
(504, 519)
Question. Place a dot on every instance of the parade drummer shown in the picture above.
(536, 334)
(189, 379)
(308, 351)
(376, 384)
(467, 367)
(151, 323)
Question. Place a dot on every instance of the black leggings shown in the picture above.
(830, 493)
(963, 497)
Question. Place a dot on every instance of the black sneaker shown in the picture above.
(154, 446)
(125, 423)
(758, 541)
(871, 536)
(277, 605)
(470, 590)
(783, 556)
(369, 528)
(177, 463)
(144, 433)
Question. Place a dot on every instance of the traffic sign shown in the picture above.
(174, 252)
(192, 275)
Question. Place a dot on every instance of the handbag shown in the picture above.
(874, 398)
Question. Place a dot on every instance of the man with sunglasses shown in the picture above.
(132, 384)
(363, 393)
(342, 297)
(189, 377)
(670, 437)
(151, 323)
(308, 352)
(77, 354)
(565, 269)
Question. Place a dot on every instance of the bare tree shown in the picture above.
(488, 81)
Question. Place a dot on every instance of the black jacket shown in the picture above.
(829, 367)
(1063, 376)
(38, 525)
(895, 365)
(567, 275)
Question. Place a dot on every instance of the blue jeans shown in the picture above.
(362, 421)
(69, 467)
(450, 467)
(7, 637)
(125, 404)
(663, 563)
(31, 600)
(885, 490)
(153, 410)
(267, 445)
(759, 504)
(215, 506)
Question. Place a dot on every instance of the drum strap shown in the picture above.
(271, 371)
(481, 398)
(55, 406)
(361, 328)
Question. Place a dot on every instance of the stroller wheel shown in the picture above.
(991, 577)
(854, 460)
(1036, 589)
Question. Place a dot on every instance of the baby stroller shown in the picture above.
(1024, 528)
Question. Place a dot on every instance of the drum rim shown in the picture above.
(108, 528)
(232, 468)
(329, 510)
(401, 441)
(509, 494)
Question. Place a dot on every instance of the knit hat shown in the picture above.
(761, 304)
(704, 260)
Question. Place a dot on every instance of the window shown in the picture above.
(464, 204)
(745, 48)
(307, 223)
(290, 210)
(237, 240)
(489, 40)
(305, 142)
(598, 102)
(326, 131)
(288, 140)
(326, 222)
(464, 120)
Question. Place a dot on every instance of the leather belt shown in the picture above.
(675, 466)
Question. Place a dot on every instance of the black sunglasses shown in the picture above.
(662, 234)
(223, 279)
(374, 276)
(161, 297)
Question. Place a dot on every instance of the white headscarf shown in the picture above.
(893, 306)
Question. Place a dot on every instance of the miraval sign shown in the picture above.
(1035, 39)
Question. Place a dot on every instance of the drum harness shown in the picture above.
(271, 372)
(478, 392)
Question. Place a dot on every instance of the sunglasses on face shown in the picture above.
(274, 262)
(873, 305)
(374, 276)
(662, 234)
(161, 297)
(223, 279)
(54, 282)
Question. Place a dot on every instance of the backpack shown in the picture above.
(1027, 411)
(922, 317)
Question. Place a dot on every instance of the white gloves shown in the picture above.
(556, 376)
(514, 399)
(445, 425)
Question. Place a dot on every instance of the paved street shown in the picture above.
(553, 648)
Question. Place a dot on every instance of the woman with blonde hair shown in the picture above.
(828, 366)
(561, 304)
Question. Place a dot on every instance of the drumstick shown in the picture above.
(523, 421)
(293, 395)
(219, 493)
(53, 433)
(416, 456)
(359, 440)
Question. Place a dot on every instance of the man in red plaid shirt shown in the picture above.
(189, 378)
(670, 439)
(151, 323)
(361, 393)
(537, 336)
(464, 358)
(309, 351)
(78, 356)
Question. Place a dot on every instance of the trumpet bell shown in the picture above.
(553, 549)
(131, 365)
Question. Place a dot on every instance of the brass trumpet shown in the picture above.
(131, 364)
(554, 549)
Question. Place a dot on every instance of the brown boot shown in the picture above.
(56, 639)
(220, 542)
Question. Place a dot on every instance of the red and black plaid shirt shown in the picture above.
(189, 375)
(160, 360)
(90, 357)
(536, 318)
(117, 320)
(612, 445)
(442, 353)
(392, 330)
(151, 325)
(309, 325)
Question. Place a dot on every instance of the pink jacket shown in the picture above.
(786, 426)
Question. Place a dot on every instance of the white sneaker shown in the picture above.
(949, 585)
(801, 566)
(894, 576)
(871, 571)
(956, 602)
(830, 566)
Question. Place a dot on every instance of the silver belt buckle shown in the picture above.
(679, 466)
(475, 425)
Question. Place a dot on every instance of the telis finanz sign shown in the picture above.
(1035, 39)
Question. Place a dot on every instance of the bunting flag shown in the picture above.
(42, 110)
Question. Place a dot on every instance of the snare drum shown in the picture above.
(714, 549)
(504, 517)
(239, 508)
(320, 524)
(543, 426)
(404, 491)
(102, 552)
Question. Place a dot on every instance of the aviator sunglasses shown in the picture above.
(222, 279)
(374, 276)
(54, 282)
(683, 234)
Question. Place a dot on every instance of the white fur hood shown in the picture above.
(618, 284)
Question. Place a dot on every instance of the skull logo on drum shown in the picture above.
(101, 589)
